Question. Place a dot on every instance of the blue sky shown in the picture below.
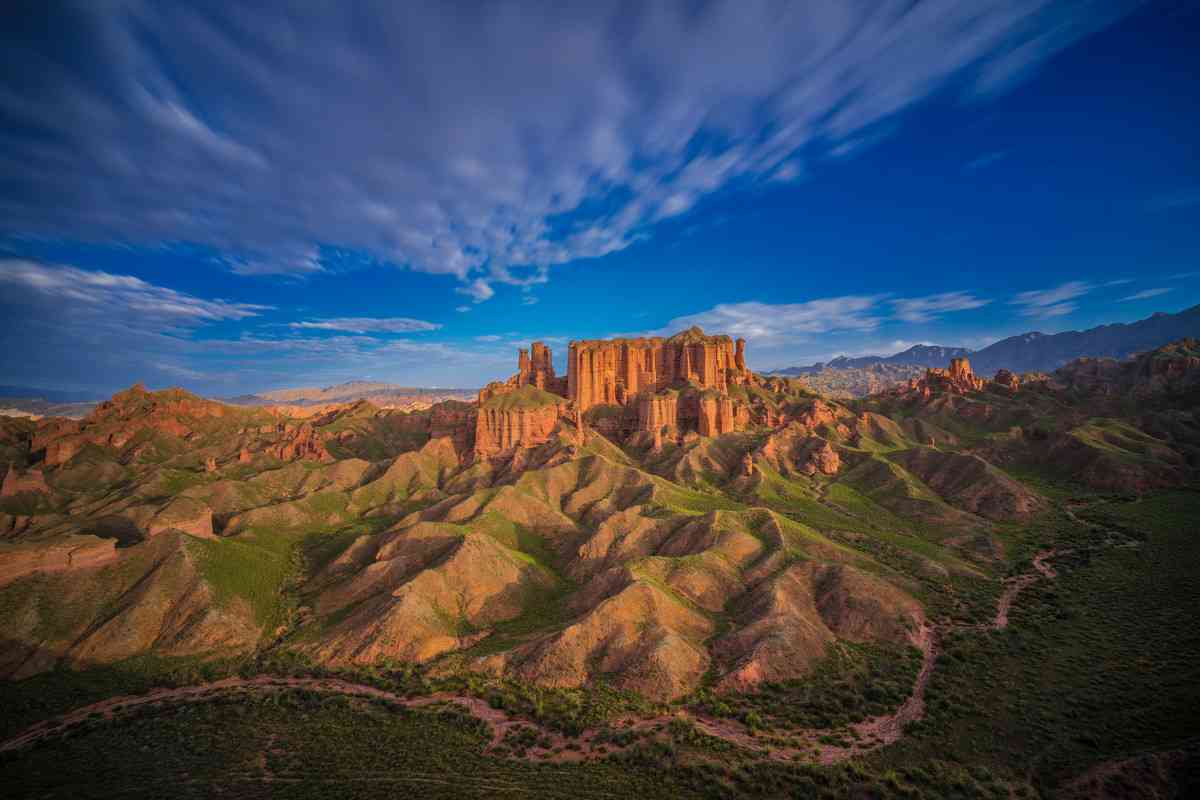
(301, 194)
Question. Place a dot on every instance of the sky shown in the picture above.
(236, 198)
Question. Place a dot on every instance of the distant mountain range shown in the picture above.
(1033, 352)
(380, 393)
(922, 355)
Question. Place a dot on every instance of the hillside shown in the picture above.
(738, 568)
(919, 355)
(383, 394)
(845, 377)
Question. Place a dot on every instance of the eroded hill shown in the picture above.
(661, 519)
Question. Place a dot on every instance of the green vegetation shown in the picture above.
(853, 682)
(1102, 663)
(522, 397)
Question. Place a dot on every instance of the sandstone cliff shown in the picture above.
(615, 370)
(520, 418)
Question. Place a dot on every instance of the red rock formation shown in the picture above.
(1007, 380)
(457, 421)
(958, 379)
(57, 554)
(616, 370)
(31, 482)
(657, 412)
(748, 464)
(716, 416)
(299, 444)
(210, 464)
(536, 370)
(793, 449)
(503, 428)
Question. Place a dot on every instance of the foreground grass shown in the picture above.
(307, 745)
(1101, 664)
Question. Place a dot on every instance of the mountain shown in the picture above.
(657, 565)
(1039, 352)
(351, 391)
(844, 377)
(921, 355)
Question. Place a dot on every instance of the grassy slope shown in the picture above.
(1101, 664)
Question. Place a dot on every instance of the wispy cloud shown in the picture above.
(768, 323)
(924, 309)
(478, 290)
(126, 298)
(194, 122)
(369, 325)
(1146, 294)
(1055, 302)
(297, 265)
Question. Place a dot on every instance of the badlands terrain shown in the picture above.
(659, 573)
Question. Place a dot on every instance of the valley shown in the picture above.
(660, 555)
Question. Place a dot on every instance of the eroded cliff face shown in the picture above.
(614, 371)
(521, 418)
(958, 379)
(29, 482)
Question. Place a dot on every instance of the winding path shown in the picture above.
(866, 736)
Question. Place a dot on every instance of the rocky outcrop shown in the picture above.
(301, 443)
(1006, 380)
(958, 379)
(794, 450)
(613, 371)
(186, 515)
(53, 555)
(522, 418)
(1173, 369)
(718, 416)
(454, 420)
(536, 370)
(29, 482)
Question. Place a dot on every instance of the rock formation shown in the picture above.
(299, 444)
(958, 379)
(615, 370)
(56, 554)
(525, 417)
(29, 482)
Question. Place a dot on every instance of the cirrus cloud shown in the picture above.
(463, 139)
(368, 325)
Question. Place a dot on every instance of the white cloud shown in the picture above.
(1055, 310)
(298, 265)
(491, 337)
(1146, 294)
(462, 309)
(529, 300)
(368, 325)
(195, 122)
(773, 323)
(1045, 303)
(119, 297)
(478, 290)
(924, 309)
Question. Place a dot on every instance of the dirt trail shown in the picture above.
(867, 735)
(1015, 585)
